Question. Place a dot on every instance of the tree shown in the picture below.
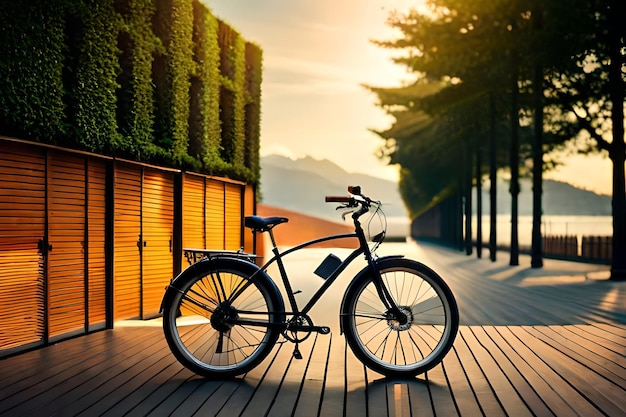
(469, 57)
(558, 64)
(586, 99)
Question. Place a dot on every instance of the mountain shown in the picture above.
(559, 199)
(301, 185)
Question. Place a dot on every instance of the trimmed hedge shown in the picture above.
(33, 45)
(157, 81)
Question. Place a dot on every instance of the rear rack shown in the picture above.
(194, 255)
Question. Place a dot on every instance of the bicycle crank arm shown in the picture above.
(305, 328)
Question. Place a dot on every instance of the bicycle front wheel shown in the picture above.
(407, 347)
(219, 323)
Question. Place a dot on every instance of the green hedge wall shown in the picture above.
(33, 46)
(157, 81)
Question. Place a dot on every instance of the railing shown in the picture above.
(592, 248)
(560, 245)
(597, 247)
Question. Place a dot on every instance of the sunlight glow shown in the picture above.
(611, 300)
(317, 55)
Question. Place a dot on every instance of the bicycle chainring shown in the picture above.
(296, 330)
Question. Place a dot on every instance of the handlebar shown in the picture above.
(338, 199)
(359, 204)
(354, 200)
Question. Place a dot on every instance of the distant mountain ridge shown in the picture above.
(301, 185)
(558, 199)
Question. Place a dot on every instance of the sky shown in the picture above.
(317, 55)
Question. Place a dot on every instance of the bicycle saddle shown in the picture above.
(263, 224)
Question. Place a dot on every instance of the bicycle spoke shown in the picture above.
(419, 293)
(373, 316)
(399, 349)
(383, 343)
(218, 286)
(205, 290)
(239, 288)
(203, 307)
(249, 338)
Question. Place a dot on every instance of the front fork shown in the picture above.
(393, 310)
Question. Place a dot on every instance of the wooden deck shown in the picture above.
(532, 342)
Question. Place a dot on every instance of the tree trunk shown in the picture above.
(493, 179)
(458, 226)
(479, 202)
(467, 195)
(514, 165)
(618, 146)
(536, 250)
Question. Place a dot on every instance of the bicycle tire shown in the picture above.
(200, 318)
(387, 346)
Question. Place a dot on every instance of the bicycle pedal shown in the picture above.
(324, 330)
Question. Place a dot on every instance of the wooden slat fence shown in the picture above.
(597, 247)
(86, 240)
(560, 245)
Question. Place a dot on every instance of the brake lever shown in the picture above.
(349, 209)
(346, 213)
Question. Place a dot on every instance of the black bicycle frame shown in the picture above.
(278, 258)
(363, 248)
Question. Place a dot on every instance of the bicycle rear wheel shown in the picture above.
(401, 348)
(213, 327)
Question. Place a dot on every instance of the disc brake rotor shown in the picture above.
(395, 324)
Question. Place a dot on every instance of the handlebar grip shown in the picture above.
(338, 199)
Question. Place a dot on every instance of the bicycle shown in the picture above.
(224, 313)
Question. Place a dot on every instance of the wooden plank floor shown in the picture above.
(532, 342)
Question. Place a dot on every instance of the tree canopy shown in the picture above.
(558, 65)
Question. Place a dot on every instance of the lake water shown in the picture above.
(550, 226)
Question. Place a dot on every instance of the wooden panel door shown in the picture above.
(214, 209)
(66, 236)
(157, 227)
(96, 246)
(233, 213)
(127, 242)
(22, 231)
(193, 212)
